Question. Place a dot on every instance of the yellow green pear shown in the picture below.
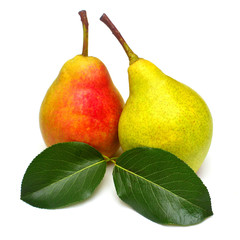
(162, 112)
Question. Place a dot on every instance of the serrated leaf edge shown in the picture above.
(164, 188)
(81, 170)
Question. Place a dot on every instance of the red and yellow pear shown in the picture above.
(82, 104)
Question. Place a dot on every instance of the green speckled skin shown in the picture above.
(164, 113)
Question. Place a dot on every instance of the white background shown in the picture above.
(195, 42)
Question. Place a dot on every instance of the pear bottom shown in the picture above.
(178, 145)
(189, 142)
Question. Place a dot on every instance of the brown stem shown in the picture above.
(83, 15)
(131, 55)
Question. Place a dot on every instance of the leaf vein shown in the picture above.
(69, 176)
(130, 172)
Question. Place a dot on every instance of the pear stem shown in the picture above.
(131, 55)
(83, 15)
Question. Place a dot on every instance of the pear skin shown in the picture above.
(82, 104)
(162, 112)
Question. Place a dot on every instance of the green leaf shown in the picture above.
(62, 174)
(161, 187)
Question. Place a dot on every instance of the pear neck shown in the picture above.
(145, 77)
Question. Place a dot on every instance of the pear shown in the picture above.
(82, 104)
(162, 112)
